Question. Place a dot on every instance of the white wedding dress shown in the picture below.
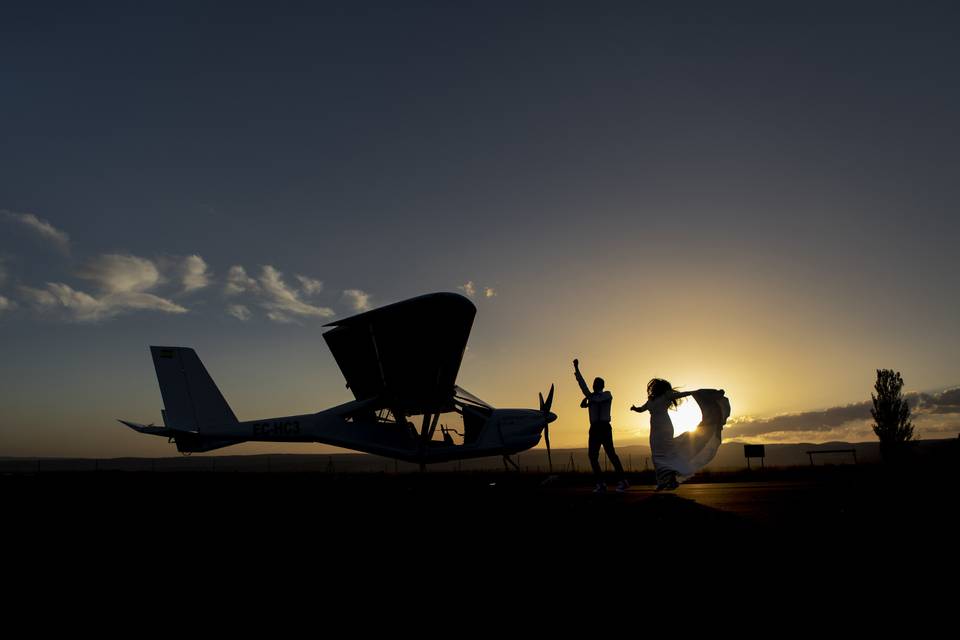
(691, 451)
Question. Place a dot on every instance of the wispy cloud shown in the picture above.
(946, 401)
(239, 311)
(821, 420)
(6, 304)
(933, 413)
(309, 286)
(282, 302)
(358, 300)
(122, 282)
(40, 227)
(120, 273)
(195, 274)
(278, 316)
(83, 307)
(239, 282)
(39, 298)
(472, 290)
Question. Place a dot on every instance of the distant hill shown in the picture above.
(635, 458)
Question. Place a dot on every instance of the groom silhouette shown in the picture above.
(601, 434)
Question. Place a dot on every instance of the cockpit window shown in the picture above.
(465, 397)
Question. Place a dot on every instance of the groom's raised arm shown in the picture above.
(580, 380)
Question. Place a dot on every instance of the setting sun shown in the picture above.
(686, 417)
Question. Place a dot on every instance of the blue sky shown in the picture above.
(752, 197)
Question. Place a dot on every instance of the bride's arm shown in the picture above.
(638, 409)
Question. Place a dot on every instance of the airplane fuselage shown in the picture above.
(505, 432)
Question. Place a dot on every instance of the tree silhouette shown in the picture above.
(891, 413)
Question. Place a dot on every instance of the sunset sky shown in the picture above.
(738, 195)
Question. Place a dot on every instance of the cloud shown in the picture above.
(822, 421)
(239, 282)
(38, 298)
(853, 432)
(84, 307)
(472, 289)
(359, 300)
(281, 301)
(309, 286)
(118, 273)
(195, 274)
(946, 401)
(239, 311)
(280, 317)
(931, 412)
(6, 304)
(122, 282)
(40, 227)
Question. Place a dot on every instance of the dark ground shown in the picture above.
(228, 548)
(231, 546)
(450, 514)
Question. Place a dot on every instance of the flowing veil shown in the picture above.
(691, 451)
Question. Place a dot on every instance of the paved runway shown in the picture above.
(469, 510)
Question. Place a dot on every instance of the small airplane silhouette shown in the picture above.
(400, 361)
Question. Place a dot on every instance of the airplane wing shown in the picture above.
(408, 354)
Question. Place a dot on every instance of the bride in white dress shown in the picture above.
(677, 458)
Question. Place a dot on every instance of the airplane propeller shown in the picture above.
(548, 418)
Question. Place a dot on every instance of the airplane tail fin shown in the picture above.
(191, 400)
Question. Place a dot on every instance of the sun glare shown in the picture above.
(686, 417)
